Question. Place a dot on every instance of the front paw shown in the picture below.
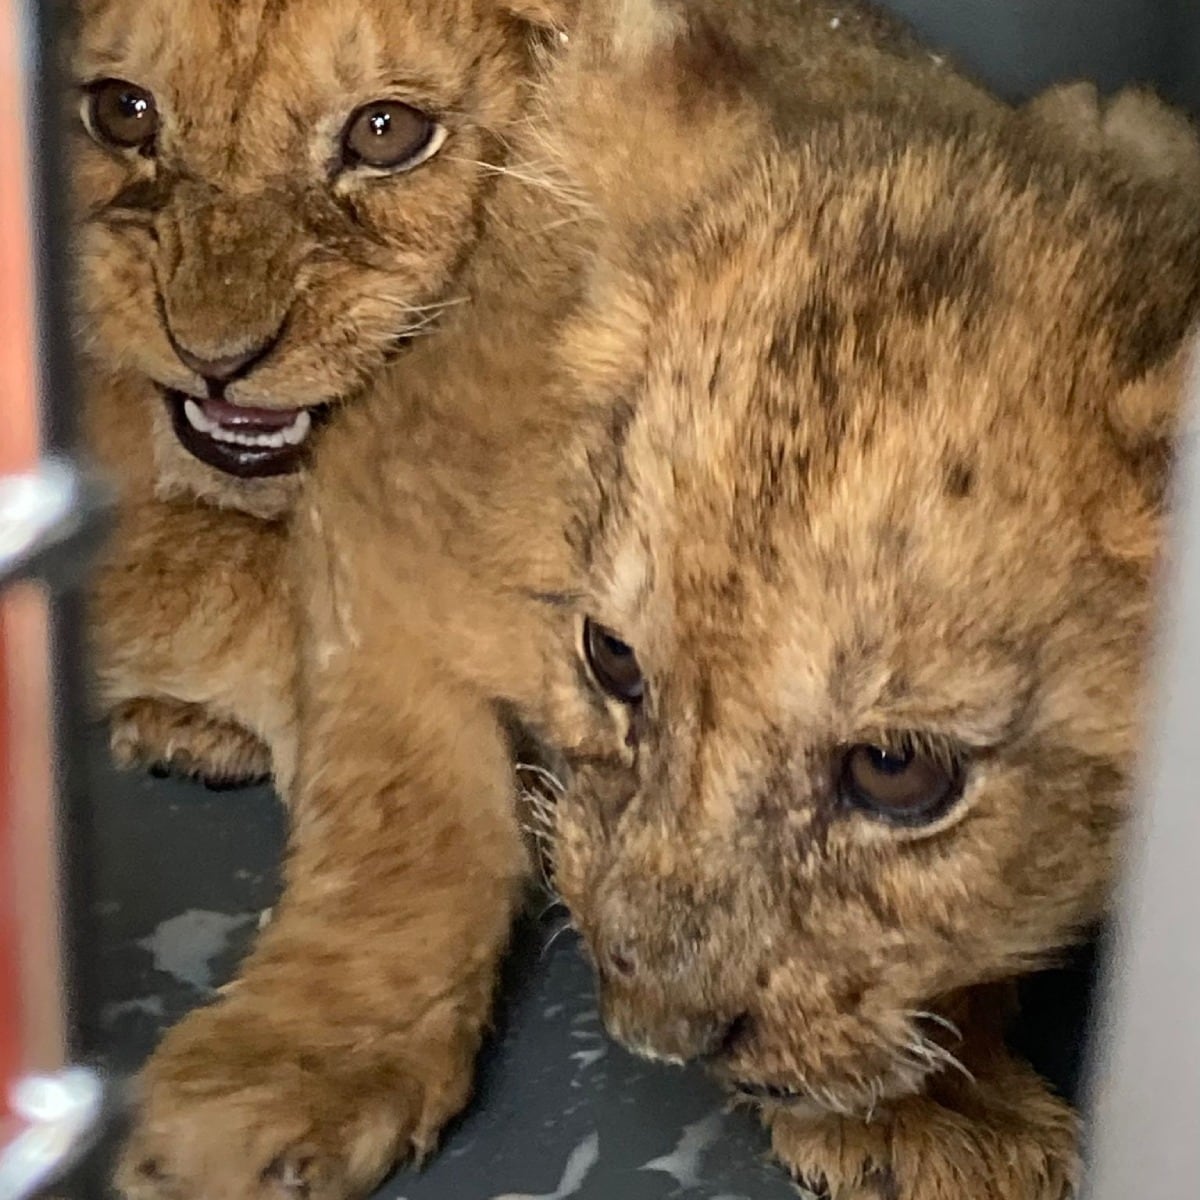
(171, 738)
(246, 1103)
(921, 1150)
(833, 1158)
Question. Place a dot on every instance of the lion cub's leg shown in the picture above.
(193, 641)
(999, 1135)
(350, 1038)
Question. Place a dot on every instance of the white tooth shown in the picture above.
(196, 418)
(293, 435)
(233, 437)
(297, 431)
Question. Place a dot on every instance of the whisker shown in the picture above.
(537, 797)
(936, 1019)
(916, 1057)
(537, 832)
(545, 776)
(956, 1064)
(543, 862)
(875, 1094)
(934, 1054)
(538, 792)
(538, 827)
(418, 326)
(567, 926)
(526, 173)
(561, 223)
(834, 1103)
(543, 817)
(435, 306)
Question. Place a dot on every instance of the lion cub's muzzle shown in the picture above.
(662, 1034)
(664, 1027)
(682, 972)
(227, 306)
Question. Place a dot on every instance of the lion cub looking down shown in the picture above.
(806, 507)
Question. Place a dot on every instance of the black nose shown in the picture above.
(224, 368)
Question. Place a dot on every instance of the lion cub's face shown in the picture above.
(866, 607)
(274, 194)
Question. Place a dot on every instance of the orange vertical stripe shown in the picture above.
(18, 397)
(18, 452)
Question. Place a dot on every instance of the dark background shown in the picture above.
(1020, 46)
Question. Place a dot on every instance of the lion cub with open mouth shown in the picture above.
(806, 508)
(273, 199)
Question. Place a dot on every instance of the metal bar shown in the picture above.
(42, 514)
(1145, 1139)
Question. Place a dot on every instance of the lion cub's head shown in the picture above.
(865, 581)
(275, 194)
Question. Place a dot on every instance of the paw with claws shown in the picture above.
(1015, 1143)
(240, 1104)
(171, 738)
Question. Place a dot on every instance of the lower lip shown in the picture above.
(242, 462)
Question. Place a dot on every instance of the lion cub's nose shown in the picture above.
(638, 1015)
(223, 368)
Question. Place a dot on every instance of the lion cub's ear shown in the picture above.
(1148, 417)
(1134, 130)
(1157, 407)
(649, 102)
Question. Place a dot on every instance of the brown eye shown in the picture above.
(122, 115)
(613, 663)
(389, 135)
(900, 784)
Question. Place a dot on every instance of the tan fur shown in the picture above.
(234, 231)
(860, 427)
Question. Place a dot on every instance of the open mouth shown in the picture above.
(250, 443)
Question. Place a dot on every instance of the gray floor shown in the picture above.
(560, 1112)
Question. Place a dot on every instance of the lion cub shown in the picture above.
(273, 199)
(800, 487)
